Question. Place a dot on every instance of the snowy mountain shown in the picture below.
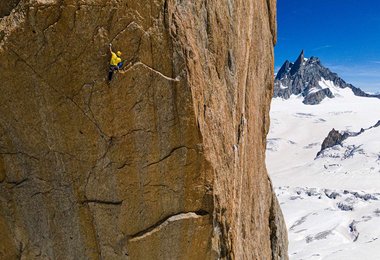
(324, 161)
(310, 79)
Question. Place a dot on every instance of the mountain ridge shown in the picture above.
(308, 78)
(335, 137)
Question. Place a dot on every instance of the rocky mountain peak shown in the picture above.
(298, 63)
(314, 59)
(310, 79)
(284, 69)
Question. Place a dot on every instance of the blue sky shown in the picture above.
(344, 34)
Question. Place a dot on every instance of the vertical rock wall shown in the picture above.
(166, 162)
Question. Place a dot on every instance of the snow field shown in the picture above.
(345, 225)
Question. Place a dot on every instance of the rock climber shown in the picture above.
(115, 64)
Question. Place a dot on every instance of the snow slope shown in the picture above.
(347, 224)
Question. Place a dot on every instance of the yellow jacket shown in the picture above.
(114, 59)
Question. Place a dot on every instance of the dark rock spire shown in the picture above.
(298, 63)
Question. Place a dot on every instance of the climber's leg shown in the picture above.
(111, 71)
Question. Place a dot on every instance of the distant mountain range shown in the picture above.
(310, 79)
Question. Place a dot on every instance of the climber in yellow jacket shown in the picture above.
(115, 64)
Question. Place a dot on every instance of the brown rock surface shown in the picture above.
(165, 163)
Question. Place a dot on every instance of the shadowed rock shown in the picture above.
(6, 7)
(317, 97)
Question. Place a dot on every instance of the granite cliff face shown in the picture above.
(165, 163)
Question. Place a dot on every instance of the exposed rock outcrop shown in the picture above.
(165, 163)
(309, 78)
(332, 139)
(316, 97)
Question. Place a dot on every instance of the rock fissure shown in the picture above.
(103, 202)
(21, 153)
(164, 222)
(55, 22)
(17, 184)
(125, 164)
(30, 67)
(133, 131)
(41, 192)
(92, 120)
(174, 150)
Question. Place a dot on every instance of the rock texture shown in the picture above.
(7, 6)
(165, 163)
(303, 78)
(315, 98)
